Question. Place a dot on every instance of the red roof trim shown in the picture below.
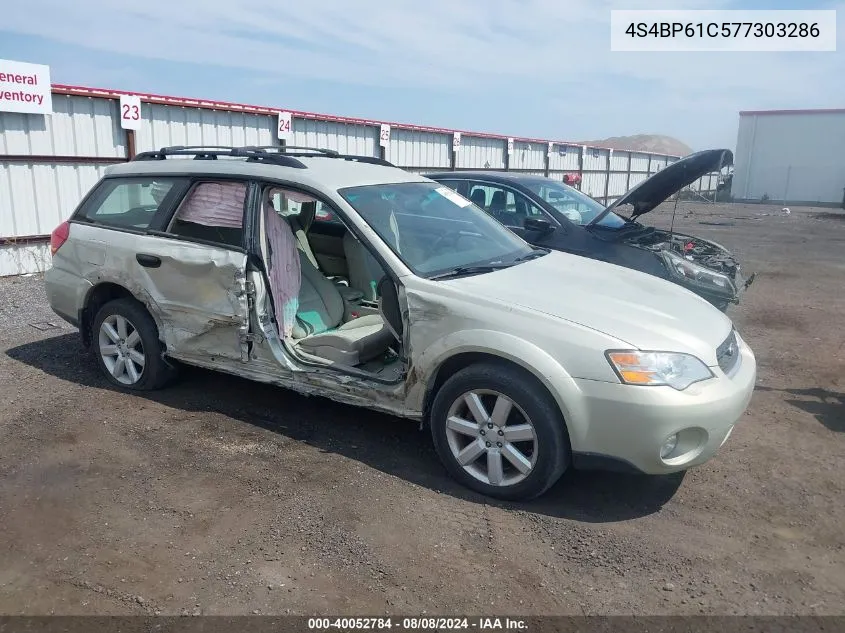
(209, 104)
(809, 111)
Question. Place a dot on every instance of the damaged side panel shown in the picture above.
(202, 296)
(198, 294)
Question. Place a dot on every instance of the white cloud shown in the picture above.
(542, 47)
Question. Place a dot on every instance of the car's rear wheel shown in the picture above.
(499, 432)
(127, 346)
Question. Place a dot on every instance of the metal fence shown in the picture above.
(47, 163)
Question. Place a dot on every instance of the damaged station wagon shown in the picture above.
(523, 361)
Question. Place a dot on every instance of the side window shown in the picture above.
(130, 204)
(213, 211)
(296, 207)
(507, 206)
(324, 213)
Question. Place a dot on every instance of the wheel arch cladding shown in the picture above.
(452, 364)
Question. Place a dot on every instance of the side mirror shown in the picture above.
(540, 225)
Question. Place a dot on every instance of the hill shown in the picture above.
(645, 143)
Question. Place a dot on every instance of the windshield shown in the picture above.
(433, 229)
(576, 206)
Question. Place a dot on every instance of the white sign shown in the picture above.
(25, 88)
(384, 136)
(456, 141)
(550, 149)
(510, 146)
(130, 112)
(285, 129)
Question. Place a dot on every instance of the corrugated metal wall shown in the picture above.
(48, 163)
(791, 157)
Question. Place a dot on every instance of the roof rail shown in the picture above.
(320, 152)
(211, 152)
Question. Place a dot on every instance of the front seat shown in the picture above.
(497, 206)
(479, 197)
(319, 328)
(364, 270)
(521, 213)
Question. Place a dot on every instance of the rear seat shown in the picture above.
(319, 328)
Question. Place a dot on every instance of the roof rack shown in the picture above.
(274, 154)
(320, 152)
(212, 152)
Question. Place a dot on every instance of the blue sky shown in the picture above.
(539, 68)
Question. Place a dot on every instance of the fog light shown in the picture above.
(668, 446)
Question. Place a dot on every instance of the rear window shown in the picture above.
(130, 204)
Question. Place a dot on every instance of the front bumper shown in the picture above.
(627, 425)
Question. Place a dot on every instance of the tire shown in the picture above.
(140, 342)
(547, 452)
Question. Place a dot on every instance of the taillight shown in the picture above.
(59, 236)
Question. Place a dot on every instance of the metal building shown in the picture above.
(48, 162)
(790, 156)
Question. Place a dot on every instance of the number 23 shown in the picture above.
(131, 112)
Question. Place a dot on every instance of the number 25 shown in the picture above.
(131, 112)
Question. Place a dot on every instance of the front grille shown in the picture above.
(727, 354)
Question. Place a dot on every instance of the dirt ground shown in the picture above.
(219, 496)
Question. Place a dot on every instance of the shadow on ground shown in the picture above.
(386, 443)
(828, 407)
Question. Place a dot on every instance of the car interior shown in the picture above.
(340, 319)
(504, 206)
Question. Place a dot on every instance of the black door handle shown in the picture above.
(148, 261)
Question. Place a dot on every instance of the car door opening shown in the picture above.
(320, 320)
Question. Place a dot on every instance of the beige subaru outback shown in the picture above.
(411, 301)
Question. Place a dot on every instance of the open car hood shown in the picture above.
(654, 190)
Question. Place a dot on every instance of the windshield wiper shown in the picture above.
(534, 254)
(470, 270)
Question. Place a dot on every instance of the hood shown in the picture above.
(654, 190)
(643, 311)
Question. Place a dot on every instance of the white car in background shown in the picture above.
(523, 362)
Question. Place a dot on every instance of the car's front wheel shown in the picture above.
(499, 432)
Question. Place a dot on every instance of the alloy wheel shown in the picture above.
(491, 437)
(121, 349)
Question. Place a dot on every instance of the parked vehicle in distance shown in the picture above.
(524, 362)
(550, 214)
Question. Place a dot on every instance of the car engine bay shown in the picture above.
(697, 250)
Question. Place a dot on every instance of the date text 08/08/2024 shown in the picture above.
(417, 624)
(724, 29)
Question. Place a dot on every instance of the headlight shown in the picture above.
(682, 268)
(678, 371)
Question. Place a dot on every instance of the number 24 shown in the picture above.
(131, 112)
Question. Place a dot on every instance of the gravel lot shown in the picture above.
(219, 496)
